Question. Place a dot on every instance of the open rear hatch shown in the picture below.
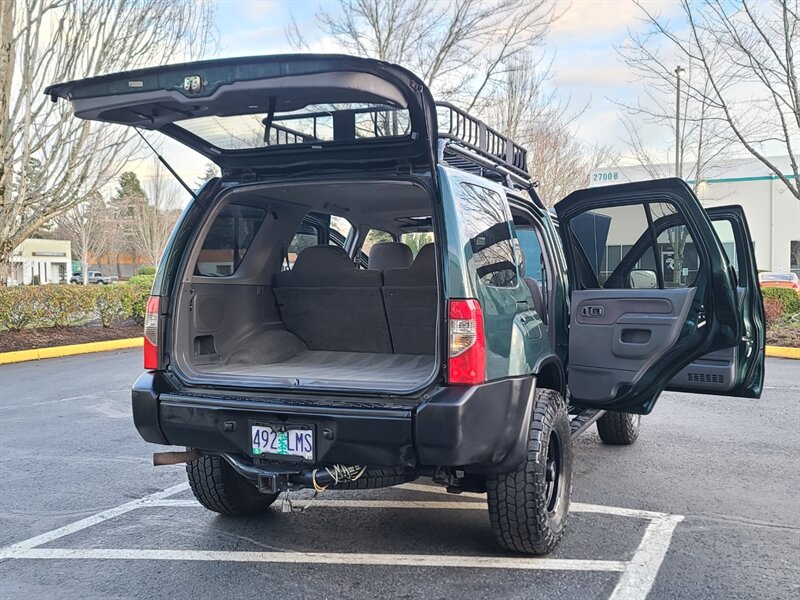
(272, 112)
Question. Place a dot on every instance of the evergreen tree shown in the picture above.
(210, 172)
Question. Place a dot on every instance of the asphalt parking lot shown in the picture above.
(705, 505)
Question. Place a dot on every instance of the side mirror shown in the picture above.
(642, 279)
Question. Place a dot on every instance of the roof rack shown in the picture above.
(470, 144)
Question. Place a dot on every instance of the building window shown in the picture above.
(794, 259)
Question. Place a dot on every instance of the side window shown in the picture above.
(375, 236)
(486, 222)
(417, 240)
(340, 230)
(532, 251)
(724, 229)
(617, 249)
(308, 234)
(677, 254)
(228, 240)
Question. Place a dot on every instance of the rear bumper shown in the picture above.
(483, 428)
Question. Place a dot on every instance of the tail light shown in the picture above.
(151, 333)
(467, 360)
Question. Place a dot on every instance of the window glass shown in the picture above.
(532, 251)
(375, 236)
(794, 258)
(417, 240)
(311, 124)
(307, 235)
(677, 253)
(486, 222)
(340, 230)
(228, 240)
(605, 237)
(724, 230)
(617, 247)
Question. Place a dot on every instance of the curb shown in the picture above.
(782, 352)
(59, 351)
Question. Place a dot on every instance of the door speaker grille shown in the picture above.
(705, 378)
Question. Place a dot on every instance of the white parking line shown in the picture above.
(637, 575)
(640, 573)
(49, 536)
(574, 506)
(329, 558)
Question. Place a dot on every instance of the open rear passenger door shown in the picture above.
(652, 290)
(738, 370)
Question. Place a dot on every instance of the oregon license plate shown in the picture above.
(290, 442)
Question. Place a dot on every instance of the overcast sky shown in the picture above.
(586, 68)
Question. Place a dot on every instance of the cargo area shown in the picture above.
(323, 285)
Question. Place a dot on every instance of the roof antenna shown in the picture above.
(166, 164)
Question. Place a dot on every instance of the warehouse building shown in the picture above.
(772, 211)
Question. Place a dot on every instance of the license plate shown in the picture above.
(291, 442)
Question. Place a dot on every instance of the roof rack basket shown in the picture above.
(479, 147)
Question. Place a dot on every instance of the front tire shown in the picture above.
(221, 489)
(528, 507)
(618, 428)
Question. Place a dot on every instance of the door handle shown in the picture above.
(592, 311)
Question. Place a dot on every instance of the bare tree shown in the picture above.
(702, 138)
(458, 47)
(746, 51)
(154, 216)
(57, 40)
(89, 228)
(524, 107)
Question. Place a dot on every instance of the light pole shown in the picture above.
(678, 71)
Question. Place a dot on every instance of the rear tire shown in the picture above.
(528, 507)
(219, 488)
(618, 428)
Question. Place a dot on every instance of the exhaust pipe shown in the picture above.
(174, 458)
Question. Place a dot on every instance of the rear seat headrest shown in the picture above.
(389, 255)
(323, 259)
(326, 266)
(426, 257)
(422, 271)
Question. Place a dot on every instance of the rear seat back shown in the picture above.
(411, 301)
(331, 305)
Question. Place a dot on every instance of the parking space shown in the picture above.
(83, 514)
(429, 529)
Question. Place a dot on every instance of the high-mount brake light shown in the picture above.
(151, 333)
(467, 352)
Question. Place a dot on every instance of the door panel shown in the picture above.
(617, 334)
(626, 344)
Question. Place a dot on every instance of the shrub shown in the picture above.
(66, 304)
(138, 290)
(147, 270)
(144, 280)
(20, 307)
(112, 303)
(789, 300)
(772, 310)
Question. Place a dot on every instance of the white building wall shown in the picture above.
(772, 212)
(45, 261)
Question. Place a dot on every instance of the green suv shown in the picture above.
(373, 292)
